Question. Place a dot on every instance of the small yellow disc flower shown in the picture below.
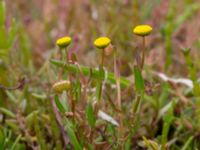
(142, 30)
(64, 41)
(102, 42)
(61, 86)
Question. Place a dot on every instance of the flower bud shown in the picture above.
(61, 86)
(142, 30)
(102, 42)
(63, 42)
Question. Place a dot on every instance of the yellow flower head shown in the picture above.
(102, 42)
(61, 86)
(142, 30)
(64, 41)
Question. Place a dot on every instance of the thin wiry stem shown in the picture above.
(117, 76)
(66, 56)
(65, 59)
(102, 58)
(143, 52)
(101, 67)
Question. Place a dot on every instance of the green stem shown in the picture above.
(93, 72)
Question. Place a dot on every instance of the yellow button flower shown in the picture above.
(61, 86)
(142, 30)
(64, 41)
(102, 42)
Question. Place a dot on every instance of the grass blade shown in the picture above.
(186, 145)
(7, 112)
(90, 115)
(139, 82)
(73, 138)
(59, 105)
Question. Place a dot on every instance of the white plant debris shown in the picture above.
(183, 81)
(107, 117)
